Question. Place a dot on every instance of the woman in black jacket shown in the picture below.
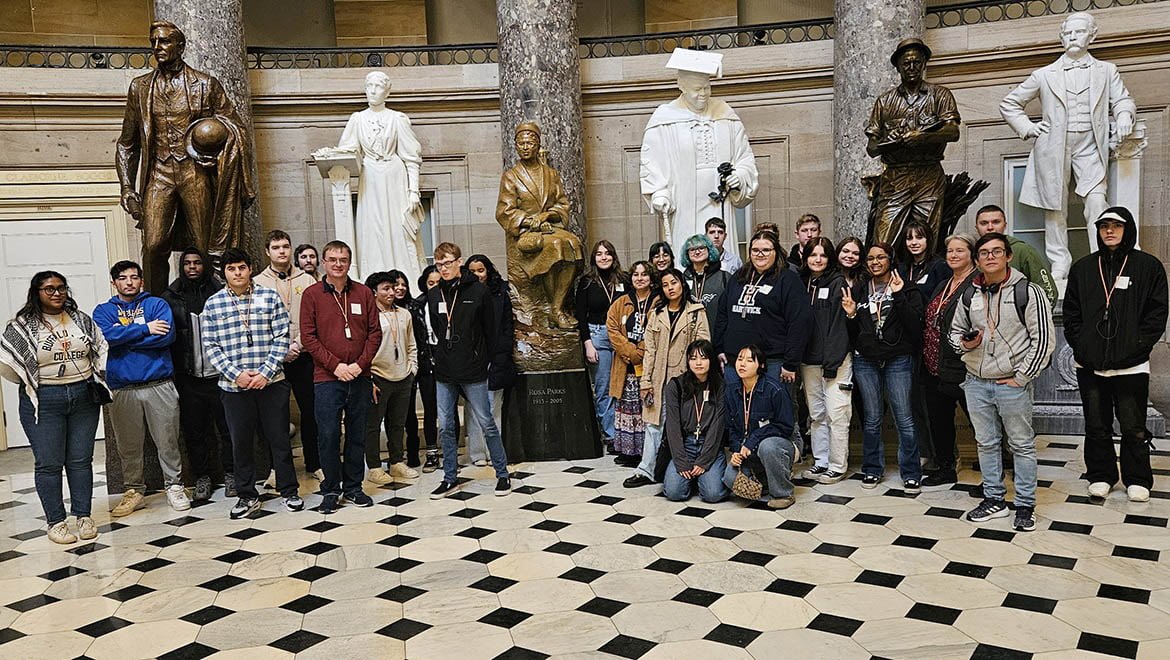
(827, 364)
(885, 324)
(943, 369)
(424, 381)
(602, 282)
(703, 274)
(501, 369)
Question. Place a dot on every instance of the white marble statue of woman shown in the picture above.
(388, 210)
(683, 146)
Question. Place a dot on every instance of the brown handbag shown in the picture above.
(746, 486)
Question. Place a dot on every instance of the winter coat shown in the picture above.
(828, 343)
(666, 351)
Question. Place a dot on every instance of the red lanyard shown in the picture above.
(1109, 289)
(747, 411)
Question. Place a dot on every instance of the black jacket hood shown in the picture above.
(1128, 237)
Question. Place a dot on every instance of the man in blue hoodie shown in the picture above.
(139, 372)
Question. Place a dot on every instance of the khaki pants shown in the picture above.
(158, 404)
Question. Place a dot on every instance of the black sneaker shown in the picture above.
(294, 503)
(446, 488)
(1025, 519)
(202, 489)
(829, 477)
(503, 486)
(432, 462)
(229, 485)
(870, 481)
(330, 503)
(359, 499)
(989, 509)
(814, 472)
(244, 508)
(912, 486)
(939, 478)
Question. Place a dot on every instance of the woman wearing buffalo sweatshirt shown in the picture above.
(827, 367)
(885, 324)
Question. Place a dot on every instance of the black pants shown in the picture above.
(202, 420)
(389, 410)
(265, 410)
(940, 401)
(424, 384)
(920, 407)
(1126, 397)
(299, 374)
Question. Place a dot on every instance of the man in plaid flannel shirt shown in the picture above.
(245, 332)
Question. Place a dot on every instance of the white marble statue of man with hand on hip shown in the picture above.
(389, 213)
(683, 146)
(1077, 94)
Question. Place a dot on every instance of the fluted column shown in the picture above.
(866, 34)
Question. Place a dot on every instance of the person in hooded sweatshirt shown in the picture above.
(201, 414)
(139, 371)
(1115, 310)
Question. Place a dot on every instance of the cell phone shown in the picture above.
(970, 336)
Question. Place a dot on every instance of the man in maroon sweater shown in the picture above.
(340, 329)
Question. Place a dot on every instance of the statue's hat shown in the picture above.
(696, 61)
(905, 45)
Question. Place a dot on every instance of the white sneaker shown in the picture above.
(270, 482)
(401, 471)
(1099, 489)
(1138, 493)
(59, 533)
(86, 528)
(318, 474)
(177, 497)
(378, 476)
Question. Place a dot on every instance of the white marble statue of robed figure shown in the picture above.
(1077, 94)
(684, 143)
(388, 210)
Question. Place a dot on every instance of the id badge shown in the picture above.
(355, 309)
(442, 307)
(348, 334)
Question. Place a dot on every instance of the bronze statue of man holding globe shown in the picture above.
(183, 159)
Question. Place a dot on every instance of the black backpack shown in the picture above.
(1021, 295)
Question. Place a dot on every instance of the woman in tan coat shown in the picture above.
(675, 322)
(626, 324)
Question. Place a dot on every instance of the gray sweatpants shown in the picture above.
(159, 405)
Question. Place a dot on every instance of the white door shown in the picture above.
(76, 248)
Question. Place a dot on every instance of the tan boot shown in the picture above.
(131, 501)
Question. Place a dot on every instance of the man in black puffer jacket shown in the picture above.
(1115, 310)
(200, 411)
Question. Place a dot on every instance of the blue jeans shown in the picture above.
(476, 396)
(599, 374)
(776, 454)
(989, 402)
(651, 441)
(711, 488)
(330, 400)
(476, 446)
(61, 433)
(893, 381)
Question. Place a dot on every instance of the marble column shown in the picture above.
(540, 80)
(866, 34)
(215, 44)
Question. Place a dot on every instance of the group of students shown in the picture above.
(727, 361)
(219, 357)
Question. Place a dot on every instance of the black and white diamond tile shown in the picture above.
(573, 563)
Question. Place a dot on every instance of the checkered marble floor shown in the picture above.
(573, 564)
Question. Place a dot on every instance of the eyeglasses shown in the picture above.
(762, 252)
(993, 252)
(444, 265)
(55, 290)
(874, 260)
(696, 250)
(336, 260)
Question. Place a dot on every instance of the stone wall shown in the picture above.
(69, 119)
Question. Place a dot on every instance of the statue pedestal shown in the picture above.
(549, 416)
(339, 168)
(1057, 401)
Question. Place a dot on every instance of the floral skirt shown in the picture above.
(628, 419)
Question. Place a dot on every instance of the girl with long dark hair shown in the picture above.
(501, 368)
(601, 283)
(885, 323)
(425, 379)
(626, 324)
(693, 420)
(56, 354)
(850, 260)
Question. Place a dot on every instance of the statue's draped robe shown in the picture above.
(387, 233)
(681, 152)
